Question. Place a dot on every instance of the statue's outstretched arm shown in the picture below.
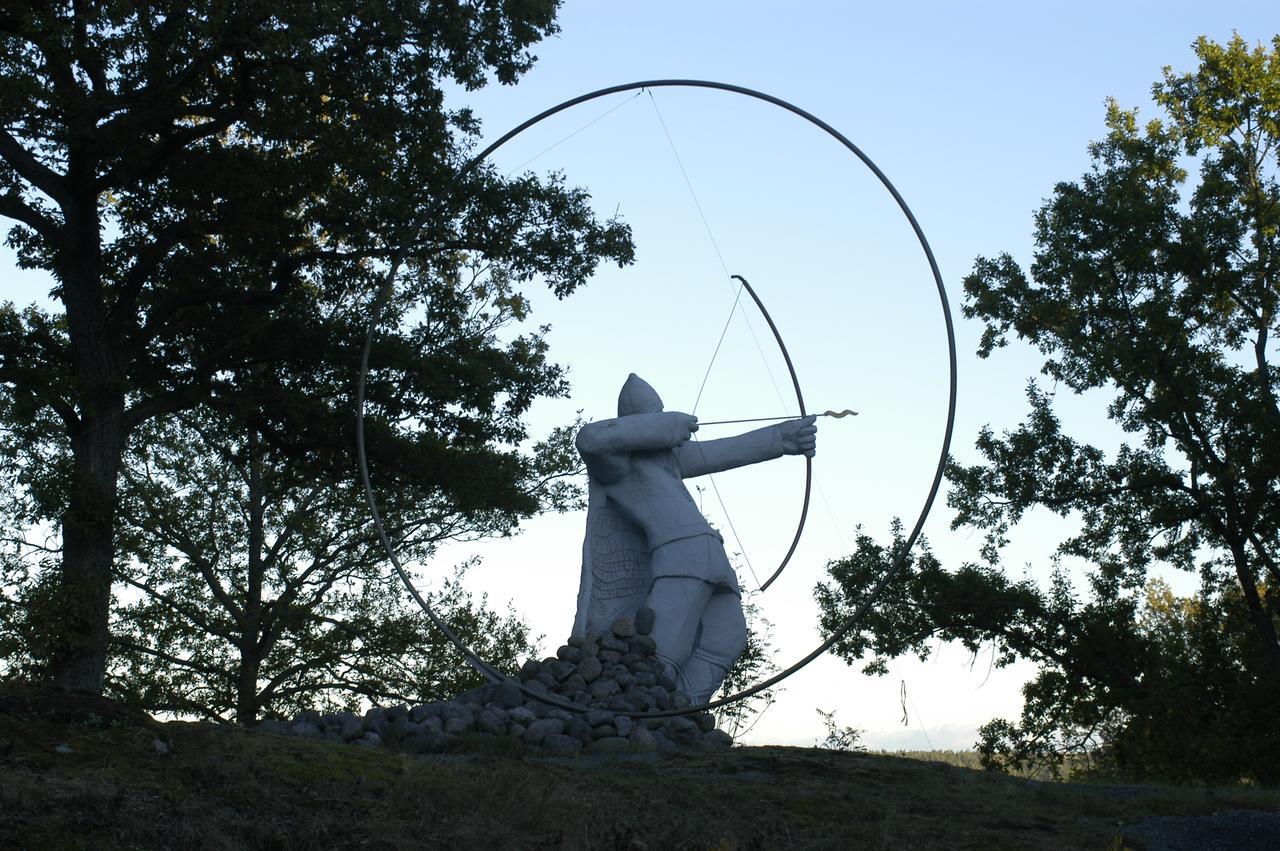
(794, 437)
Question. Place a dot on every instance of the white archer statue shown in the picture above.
(648, 544)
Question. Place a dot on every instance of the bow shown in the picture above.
(808, 462)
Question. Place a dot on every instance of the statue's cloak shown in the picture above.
(615, 566)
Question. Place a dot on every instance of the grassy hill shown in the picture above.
(86, 773)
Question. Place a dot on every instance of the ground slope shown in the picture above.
(91, 774)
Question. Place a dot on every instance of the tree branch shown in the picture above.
(182, 542)
(147, 258)
(86, 58)
(268, 691)
(182, 610)
(25, 543)
(30, 169)
(138, 165)
(217, 673)
(179, 399)
(14, 207)
(1264, 368)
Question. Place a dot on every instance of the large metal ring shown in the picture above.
(853, 619)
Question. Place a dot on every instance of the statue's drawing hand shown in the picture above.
(800, 437)
(686, 425)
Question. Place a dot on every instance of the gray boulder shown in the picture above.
(546, 727)
(717, 740)
(421, 743)
(369, 740)
(609, 744)
(489, 722)
(641, 740)
(351, 727)
(558, 743)
(507, 695)
(590, 669)
(579, 729)
(456, 724)
(522, 715)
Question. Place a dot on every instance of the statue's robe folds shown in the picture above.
(637, 502)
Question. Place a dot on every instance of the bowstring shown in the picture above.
(723, 331)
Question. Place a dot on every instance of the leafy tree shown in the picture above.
(207, 182)
(256, 583)
(29, 552)
(259, 589)
(1168, 300)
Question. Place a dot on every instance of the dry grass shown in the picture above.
(228, 788)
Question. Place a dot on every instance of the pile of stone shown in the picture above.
(612, 675)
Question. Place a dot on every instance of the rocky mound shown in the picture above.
(611, 675)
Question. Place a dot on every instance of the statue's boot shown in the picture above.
(678, 603)
(701, 676)
(721, 640)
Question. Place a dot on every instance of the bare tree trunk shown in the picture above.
(247, 685)
(1266, 631)
(79, 651)
(78, 625)
(250, 650)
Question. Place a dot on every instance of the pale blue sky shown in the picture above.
(974, 111)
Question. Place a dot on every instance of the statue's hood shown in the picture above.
(638, 397)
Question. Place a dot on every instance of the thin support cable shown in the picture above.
(706, 224)
(844, 546)
(689, 183)
(684, 173)
(555, 145)
(768, 370)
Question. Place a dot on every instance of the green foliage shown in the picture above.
(250, 588)
(359, 644)
(259, 589)
(839, 738)
(216, 190)
(1169, 302)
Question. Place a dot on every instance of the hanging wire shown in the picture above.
(729, 519)
(904, 696)
(906, 699)
(706, 224)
